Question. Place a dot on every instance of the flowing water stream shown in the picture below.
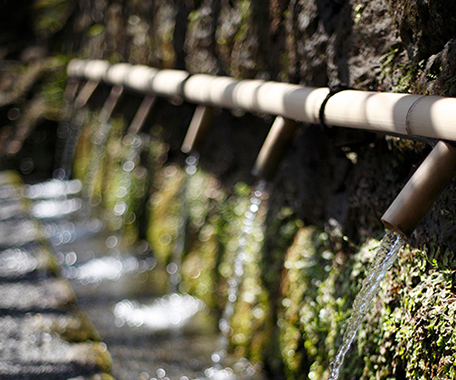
(384, 259)
(217, 372)
(174, 267)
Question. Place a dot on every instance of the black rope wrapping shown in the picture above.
(182, 85)
(333, 90)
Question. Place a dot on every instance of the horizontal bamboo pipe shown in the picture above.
(271, 152)
(422, 190)
(197, 131)
(389, 113)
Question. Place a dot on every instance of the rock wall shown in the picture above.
(322, 215)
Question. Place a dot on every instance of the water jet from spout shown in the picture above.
(384, 259)
(401, 218)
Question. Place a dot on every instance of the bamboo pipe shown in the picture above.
(110, 103)
(88, 69)
(273, 98)
(85, 93)
(390, 113)
(141, 114)
(422, 190)
(271, 152)
(71, 89)
(198, 129)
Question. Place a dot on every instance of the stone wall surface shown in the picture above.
(322, 220)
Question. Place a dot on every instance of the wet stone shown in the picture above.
(43, 335)
(17, 232)
(9, 193)
(32, 261)
(52, 293)
(11, 209)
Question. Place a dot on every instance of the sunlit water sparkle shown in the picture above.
(104, 268)
(52, 189)
(166, 313)
(384, 259)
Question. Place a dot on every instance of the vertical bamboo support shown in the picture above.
(271, 152)
(198, 129)
(422, 190)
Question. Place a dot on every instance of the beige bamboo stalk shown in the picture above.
(141, 114)
(422, 190)
(198, 129)
(85, 93)
(271, 152)
(403, 114)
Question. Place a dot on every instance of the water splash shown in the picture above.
(384, 259)
(49, 209)
(242, 370)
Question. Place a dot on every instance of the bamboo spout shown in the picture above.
(197, 131)
(422, 190)
(271, 152)
(141, 114)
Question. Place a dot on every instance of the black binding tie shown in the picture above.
(332, 91)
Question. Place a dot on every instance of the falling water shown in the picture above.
(70, 132)
(134, 145)
(66, 132)
(384, 259)
(234, 283)
(173, 269)
(99, 141)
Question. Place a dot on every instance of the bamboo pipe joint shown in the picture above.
(422, 190)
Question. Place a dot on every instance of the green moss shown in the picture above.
(50, 16)
(102, 358)
(75, 328)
